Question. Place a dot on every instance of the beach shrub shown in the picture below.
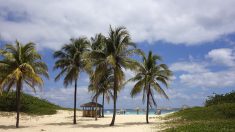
(29, 104)
(220, 99)
(206, 126)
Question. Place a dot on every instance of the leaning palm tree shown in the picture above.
(21, 64)
(115, 55)
(150, 75)
(70, 61)
(102, 88)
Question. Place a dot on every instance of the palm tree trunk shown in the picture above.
(96, 108)
(103, 106)
(75, 103)
(115, 97)
(18, 90)
(147, 112)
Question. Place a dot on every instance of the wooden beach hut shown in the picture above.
(89, 109)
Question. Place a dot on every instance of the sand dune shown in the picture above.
(62, 122)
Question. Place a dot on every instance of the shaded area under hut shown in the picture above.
(89, 109)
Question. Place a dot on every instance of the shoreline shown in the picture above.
(164, 114)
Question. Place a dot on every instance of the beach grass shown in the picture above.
(205, 126)
(215, 117)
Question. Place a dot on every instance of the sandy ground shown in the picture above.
(62, 122)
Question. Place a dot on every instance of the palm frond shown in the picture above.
(158, 88)
(21, 63)
(138, 87)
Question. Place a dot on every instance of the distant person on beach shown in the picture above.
(158, 112)
(137, 111)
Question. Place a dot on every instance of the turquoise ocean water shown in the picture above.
(141, 112)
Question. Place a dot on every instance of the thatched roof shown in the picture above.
(91, 104)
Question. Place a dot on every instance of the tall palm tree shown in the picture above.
(70, 61)
(21, 64)
(99, 85)
(102, 88)
(150, 75)
(116, 55)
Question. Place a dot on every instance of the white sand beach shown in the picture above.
(62, 122)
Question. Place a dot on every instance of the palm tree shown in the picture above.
(103, 87)
(21, 64)
(99, 85)
(70, 61)
(150, 75)
(115, 55)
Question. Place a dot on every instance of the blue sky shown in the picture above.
(199, 47)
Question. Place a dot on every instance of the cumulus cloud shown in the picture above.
(223, 56)
(209, 79)
(190, 67)
(177, 93)
(199, 74)
(52, 23)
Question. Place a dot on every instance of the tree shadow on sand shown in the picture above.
(85, 119)
(135, 123)
(93, 125)
(6, 127)
(60, 123)
(128, 124)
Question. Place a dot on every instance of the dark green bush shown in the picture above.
(220, 99)
(28, 104)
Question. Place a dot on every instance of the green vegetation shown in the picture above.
(29, 104)
(206, 126)
(217, 117)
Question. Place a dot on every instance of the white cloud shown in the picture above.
(190, 67)
(199, 74)
(223, 56)
(179, 94)
(128, 73)
(52, 23)
(221, 79)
